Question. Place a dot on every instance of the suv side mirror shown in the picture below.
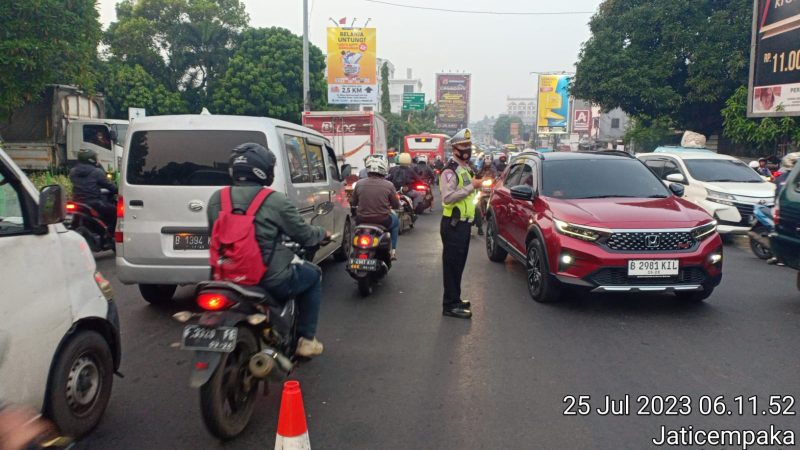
(347, 170)
(677, 178)
(677, 189)
(51, 206)
(113, 135)
(522, 192)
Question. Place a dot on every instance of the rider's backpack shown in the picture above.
(234, 252)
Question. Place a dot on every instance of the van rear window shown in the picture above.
(185, 157)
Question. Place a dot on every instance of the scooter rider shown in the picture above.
(374, 198)
(252, 167)
(87, 181)
(500, 164)
(403, 177)
(424, 171)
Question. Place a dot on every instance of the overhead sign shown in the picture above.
(774, 88)
(352, 66)
(414, 102)
(553, 104)
(452, 99)
(581, 120)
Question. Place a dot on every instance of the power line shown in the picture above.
(494, 13)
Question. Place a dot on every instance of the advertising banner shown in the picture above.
(775, 59)
(553, 104)
(581, 120)
(352, 66)
(452, 98)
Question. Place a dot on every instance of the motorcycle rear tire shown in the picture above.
(365, 286)
(759, 250)
(220, 421)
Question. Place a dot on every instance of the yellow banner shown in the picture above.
(553, 107)
(352, 56)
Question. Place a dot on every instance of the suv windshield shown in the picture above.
(185, 157)
(603, 177)
(721, 170)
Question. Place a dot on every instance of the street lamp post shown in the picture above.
(306, 75)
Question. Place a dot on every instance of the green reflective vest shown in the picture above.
(466, 206)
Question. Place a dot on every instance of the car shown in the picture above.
(59, 336)
(785, 241)
(674, 149)
(171, 167)
(722, 185)
(601, 221)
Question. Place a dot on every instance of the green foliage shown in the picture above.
(386, 103)
(502, 128)
(764, 134)
(265, 76)
(45, 42)
(673, 60)
(131, 86)
(42, 179)
(417, 122)
(651, 134)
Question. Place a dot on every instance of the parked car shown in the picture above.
(722, 185)
(601, 221)
(59, 333)
(171, 167)
(785, 241)
(674, 149)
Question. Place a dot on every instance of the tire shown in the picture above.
(759, 250)
(347, 240)
(695, 297)
(541, 286)
(493, 249)
(365, 286)
(226, 405)
(157, 294)
(80, 384)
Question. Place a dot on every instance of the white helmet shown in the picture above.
(753, 164)
(377, 165)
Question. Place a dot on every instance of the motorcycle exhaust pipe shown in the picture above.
(265, 362)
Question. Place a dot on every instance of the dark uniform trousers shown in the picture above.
(455, 240)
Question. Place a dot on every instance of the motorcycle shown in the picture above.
(424, 189)
(370, 256)
(242, 338)
(406, 213)
(87, 221)
(761, 225)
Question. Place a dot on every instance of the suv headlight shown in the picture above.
(720, 197)
(705, 231)
(579, 231)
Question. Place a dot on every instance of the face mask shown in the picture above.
(464, 155)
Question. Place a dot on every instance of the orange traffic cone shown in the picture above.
(292, 428)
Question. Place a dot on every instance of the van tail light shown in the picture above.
(214, 301)
(120, 208)
(118, 234)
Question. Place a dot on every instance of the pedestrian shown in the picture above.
(458, 212)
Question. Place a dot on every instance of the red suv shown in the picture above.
(602, 221)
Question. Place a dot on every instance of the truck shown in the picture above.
(354, 134)
(47, 133)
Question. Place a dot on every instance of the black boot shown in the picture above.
(458, 312)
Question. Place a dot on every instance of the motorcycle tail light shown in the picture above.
(214, 301)
(71, 206)
(420, 187)
(363, 256)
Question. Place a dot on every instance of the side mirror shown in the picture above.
(676, 178)
(522, 192)
(347, 170)
(51, 205)
(113, 135)
(677, 189)
(324, 208)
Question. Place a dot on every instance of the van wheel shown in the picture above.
(157, 294)
(80, 384)
(541, 286)
(347, 240)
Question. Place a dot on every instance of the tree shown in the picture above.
(764, 134)
(423, 121)
(502, 128)
(265, 76)
(127, 86)
(659, 59)
(386, 103)
(45, 42)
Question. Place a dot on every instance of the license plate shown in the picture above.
(653, 268)
(218, 339)
(365, 265)
(190, 242)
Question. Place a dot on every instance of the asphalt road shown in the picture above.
(397, 375)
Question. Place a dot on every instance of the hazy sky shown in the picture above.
(499, 51)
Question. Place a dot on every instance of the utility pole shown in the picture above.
(306, 76)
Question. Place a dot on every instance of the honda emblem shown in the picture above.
(652, 240)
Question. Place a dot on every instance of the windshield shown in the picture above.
(601, 177)
(721, 170)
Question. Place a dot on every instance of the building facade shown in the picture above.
(522, 107)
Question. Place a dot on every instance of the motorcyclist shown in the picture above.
(500, 164)
(252, 167)
(87, 181)
(787, 164)
(375, 198)
(762, 168)
(424, 172)
(403, 177)
(438, 164)
(487, 170)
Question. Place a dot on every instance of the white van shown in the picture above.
(59, 328)
(171, 167)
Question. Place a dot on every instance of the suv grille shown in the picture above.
(618, 276)
(664, 241)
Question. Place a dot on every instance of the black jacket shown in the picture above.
(402, 176)
(87, 180)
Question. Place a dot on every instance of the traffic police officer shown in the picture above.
(458, 187)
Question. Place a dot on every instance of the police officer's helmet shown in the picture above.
(87, 156)
(252, 162)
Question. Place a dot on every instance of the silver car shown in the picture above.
(171, 167)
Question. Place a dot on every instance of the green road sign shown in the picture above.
(414, 102)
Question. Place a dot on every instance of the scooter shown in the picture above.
(87, 221)
(761, 225)
(370, 256)
(406, 213)
(244, 337)
(424, 190)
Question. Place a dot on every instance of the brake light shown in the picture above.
(120, 208)
(420, 187)
(71, 206)
(364, 240)
(118, 234)
(363, 256)
(214, 302)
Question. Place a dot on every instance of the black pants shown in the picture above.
(108, 212)
(455, 241)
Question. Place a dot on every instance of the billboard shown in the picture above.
(581, 120)
(452, 98)
(352, 66)
(774, 89)
(553, 104)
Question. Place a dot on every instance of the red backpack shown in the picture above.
(234, 252)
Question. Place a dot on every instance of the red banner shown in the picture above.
(339, 125)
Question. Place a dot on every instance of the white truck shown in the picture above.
(354, 134)
(49, 132)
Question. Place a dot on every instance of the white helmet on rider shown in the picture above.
(376, 165)
(753, 164)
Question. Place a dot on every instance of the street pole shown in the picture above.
(306, 76)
